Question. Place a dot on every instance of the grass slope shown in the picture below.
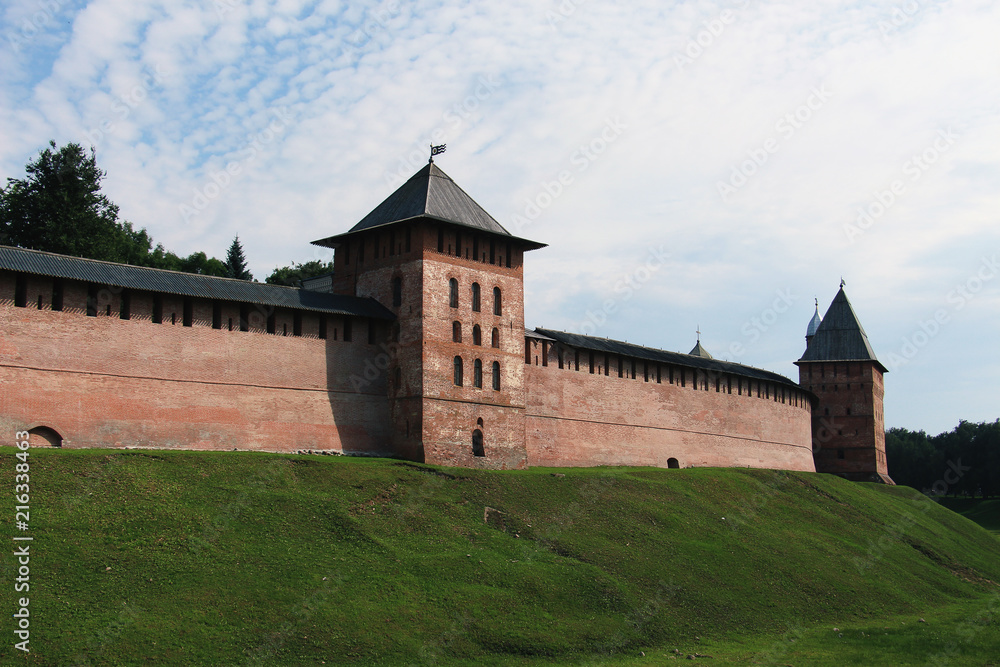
(984, 512)
(240, 558)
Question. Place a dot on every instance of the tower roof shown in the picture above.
(814, 322)
(700, 351)
(840, 336)
(430, 193)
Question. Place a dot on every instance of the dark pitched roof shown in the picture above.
(430, 193)
(185, 284)
(662, 356)
(840, 337)
(700, 351)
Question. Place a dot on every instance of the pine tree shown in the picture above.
(236, 263)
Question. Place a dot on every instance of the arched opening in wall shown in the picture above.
(673, 463)
(43, 436)
(477, 443)
(497, 306)
(477, 335)
(477, 374)
(458, 371)
(475, 297)
(456, 332)
(496, 376)
(453, 293)
(496, 337)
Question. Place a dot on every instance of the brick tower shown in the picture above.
(841, 369)
(453, 276)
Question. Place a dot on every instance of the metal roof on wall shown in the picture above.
(662, 356)
(430, 193)
(186, 284)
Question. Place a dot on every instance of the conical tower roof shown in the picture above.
(700, 351)
(840, 336)
(430, 193)
(814, 322)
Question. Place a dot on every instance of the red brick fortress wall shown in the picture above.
(578, 418)
(102, 381)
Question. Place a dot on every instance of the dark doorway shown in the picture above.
(673, 463)
(477, 443)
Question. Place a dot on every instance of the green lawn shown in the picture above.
(238, 558)
(984, 512)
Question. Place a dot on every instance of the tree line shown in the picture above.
(59, 207)
(964, 461)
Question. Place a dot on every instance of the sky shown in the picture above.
(692, 166)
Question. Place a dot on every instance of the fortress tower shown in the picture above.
(841, 369)
(453, 276)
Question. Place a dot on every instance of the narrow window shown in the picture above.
(39, 306)
(188, 314)
(371, 332)
(284, 328)
(607, 364)
(244, 317)
(559, 358)
(456, 332)
(157, 309)
(397, 292)
(497, 306)
(125, 307)
(527, 351)
(348, 330)
(496, 376)
(322, 327)
(496, 337)
(475, 297)
(477, 374)
(91, 301)
(591, 362)
(840, 453)
(216, 315)
(477, 443)
(392, 243)
(441, 239)
(57, 295)
(453, 293)
(230, 324)
(508, 255)
(297, 324)
(477, 335)
(458, 371)
(173, 318)
(576, 359)
(545, 353)
(408, 240)
(21, 292)
(493, 251)
(271, 323)
(458, 243)
(475, 248)
(621, 365)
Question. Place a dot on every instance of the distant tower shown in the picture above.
(841, 369)
(454, 278)
(698, 350)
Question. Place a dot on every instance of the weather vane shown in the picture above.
(437, 150)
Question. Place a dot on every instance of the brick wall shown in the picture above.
(104, 381)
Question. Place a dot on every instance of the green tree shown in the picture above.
(293, 275)
(236, 262)
(59, 208)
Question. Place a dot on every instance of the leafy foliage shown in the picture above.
(963, 461)
(59, 208)
(293, 275)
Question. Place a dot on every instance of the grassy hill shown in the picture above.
(984, 512)
(238, 558)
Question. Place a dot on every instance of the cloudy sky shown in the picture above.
(712, 165)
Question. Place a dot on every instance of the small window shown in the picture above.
(510, 251)
(477, 374)
(496, 337)
(244, 317)
(477, 443)
(497, 306)
(458, 371)
(840, 454)
(475, 297)
(458, 243)
(297, 324)
(322, 327)
(673, 463)
(477, 335)
(188, 314)
(453, 293)
(371, 332)
(496, 376)
(397, 292)
(57, 295)
(493, 251)
(216, 315)
(91, 301)
(441, 239)
(456, 332)
(408, 240)
(157, 309)
(21, 292)
(125, 306)
(348, 329)
(271, 323)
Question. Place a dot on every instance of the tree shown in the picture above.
(236, 263)
(59, 208)
(293, 275)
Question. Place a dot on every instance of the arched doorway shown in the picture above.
(673, 463)
(43, 436)
(477, 443)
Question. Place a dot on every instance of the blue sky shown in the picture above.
(691, 164)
